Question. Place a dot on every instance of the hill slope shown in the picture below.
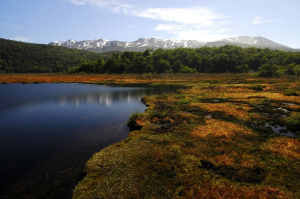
(26, 57)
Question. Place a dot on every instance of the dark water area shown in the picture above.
(49, 131)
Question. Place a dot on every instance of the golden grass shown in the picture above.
(228, 108)
(217, 128)
(284, 147)
(226, 191)
(180, 152)
(114, 78)
(224, 159)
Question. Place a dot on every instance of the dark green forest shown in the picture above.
(21, 57)
(225, 59)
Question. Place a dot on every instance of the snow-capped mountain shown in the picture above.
(86, 44)
(246, 41)
(102, 45)
(141, 44)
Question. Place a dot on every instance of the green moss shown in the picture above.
(258, 87)
(182, 153)
(132, 124)
(293, 122)
(290, 92)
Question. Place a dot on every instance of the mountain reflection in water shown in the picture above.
(49, 131)
(14, 95)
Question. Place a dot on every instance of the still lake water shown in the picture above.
(49, 131)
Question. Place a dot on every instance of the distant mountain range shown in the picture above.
(102, 45)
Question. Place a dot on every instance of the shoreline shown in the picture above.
(207, 140)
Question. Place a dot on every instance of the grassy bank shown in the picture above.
(214, 139)
(115, 79)
(222, 136)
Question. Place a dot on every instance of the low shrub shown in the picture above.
(131, 123)
(293, 122)
(258, 87)
(290, 92)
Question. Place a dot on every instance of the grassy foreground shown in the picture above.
(212, 139)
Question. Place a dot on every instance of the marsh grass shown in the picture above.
(180, 152)
(258, 87)
(290, 92)
(135, 121)
(293, 122)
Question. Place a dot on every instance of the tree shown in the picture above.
(186, 69)
(176, 66)
(99, 65)
(268, 70)
(162, 66)
(220, 63)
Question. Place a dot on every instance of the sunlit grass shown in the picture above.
(284, 147)
(211, 139)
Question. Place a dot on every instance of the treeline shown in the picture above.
(19, 57)
(225, 59)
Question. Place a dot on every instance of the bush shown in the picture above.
(131, 123)
(290, 92)
(258, 87)
(293, 122)
(268, 70)
(186, 69)
(281, 71)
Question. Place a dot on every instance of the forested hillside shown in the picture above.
(22, 57)
(225, 59)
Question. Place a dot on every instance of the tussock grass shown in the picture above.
(208, 140)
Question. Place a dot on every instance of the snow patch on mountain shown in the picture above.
(141, 44)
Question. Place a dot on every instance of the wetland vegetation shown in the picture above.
(209, 140)
(152, 118)
(50, 130)
(231, 129)
(218, 136)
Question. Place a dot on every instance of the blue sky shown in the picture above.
(43, 21)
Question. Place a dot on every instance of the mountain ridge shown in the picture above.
(141, 44)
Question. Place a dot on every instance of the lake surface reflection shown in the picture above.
(49, 131)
